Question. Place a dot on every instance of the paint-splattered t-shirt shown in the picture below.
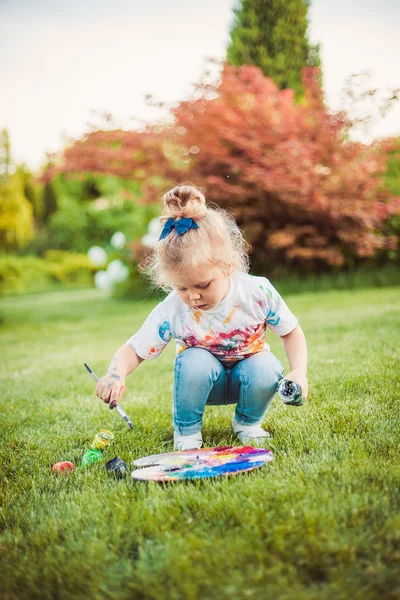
(231, 331)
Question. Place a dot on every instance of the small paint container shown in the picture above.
(290, 393)
(102, 439)
(62, 467)
(117, 467)
(91, 456)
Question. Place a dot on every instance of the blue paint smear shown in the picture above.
(164, 331)
(209, 471)
(272, 319)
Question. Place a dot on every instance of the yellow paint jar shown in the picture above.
(102, 439)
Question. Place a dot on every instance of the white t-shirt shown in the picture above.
(231, 331)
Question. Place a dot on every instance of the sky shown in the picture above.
(62, 63)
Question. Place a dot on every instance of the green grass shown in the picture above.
(321, 521)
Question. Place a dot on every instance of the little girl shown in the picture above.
(217, 313)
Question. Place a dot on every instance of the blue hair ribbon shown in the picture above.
(181, 226)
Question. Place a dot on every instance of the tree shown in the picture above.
(141, 157)
(16, 223)
(306, 197)
(32, 190)
(50, 203)
(5, 155)
(272, 35)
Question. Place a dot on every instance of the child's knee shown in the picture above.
(263, 372)
(196, 363)
(271, 376)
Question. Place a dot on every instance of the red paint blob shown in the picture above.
(61, 467)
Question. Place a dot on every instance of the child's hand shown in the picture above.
(298, 376)
(110, 388)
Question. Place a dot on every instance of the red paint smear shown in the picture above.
(240, 339)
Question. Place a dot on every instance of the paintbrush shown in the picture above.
(117, 406)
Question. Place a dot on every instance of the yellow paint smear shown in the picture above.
(229, 317)
(197, 316)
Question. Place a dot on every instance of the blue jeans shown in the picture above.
(201, 379)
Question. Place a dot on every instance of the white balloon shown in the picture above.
(97, 256)
(103, 281)
(149, 240)
(117, 271)
(155, 227)
(118, 240)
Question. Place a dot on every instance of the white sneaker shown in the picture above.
(188, 442)
(250, 434)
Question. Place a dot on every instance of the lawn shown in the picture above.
(321, 521)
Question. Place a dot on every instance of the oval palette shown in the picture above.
(199, 464)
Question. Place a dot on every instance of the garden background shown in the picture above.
(321, 210)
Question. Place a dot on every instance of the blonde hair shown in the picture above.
(218, 240)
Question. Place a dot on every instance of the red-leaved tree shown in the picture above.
(305, 196)
(126, 154)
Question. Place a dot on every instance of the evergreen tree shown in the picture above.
(50, 204)
(5, 155)
(272, 34)
(33, 191)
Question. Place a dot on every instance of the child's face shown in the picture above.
(203, 287)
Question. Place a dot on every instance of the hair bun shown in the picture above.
(184, 201)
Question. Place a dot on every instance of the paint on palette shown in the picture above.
(200, 464)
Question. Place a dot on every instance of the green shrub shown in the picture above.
(77, 227)
(16, 223)
(24, 274)
(392, 176)
(86, 187)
